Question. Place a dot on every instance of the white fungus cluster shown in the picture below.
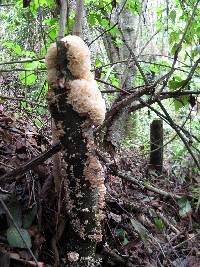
(83, 95)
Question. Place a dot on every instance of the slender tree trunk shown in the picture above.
(79, 18)
(118, 127)
(63, 19)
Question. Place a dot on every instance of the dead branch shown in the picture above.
(12, 175)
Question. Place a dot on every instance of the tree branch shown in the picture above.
(30, 164)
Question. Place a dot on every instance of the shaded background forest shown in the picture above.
(145, 57)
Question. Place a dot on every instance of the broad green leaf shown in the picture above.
(115, 32)
(115, 81)
(46, 2)
(15, 240)
(174, 84)
(38, 123)
(17, 49)
(180, 102)
(92, 19)
(14, 47)
(104, 23)
(198, 32)
(23, 104)
(155, 68)
(174, 37)
(31, 65)
(175, 48)
(27, 77)
(133, 6)
(41, 111)
(53, 34)
(172, 15)
(185, 208)
(31, 79)
(50, 22)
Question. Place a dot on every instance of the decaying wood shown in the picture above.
(156, 139)
(82, 172)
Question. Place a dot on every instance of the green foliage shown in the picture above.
(172, 15)
(174, 37)
(181, 102)
(196, 193)
(38, 123)
(13, 235)
(27, 33)
(27, 78)
(159, 223)
(133, 6)
(15, 240)
(176, 83)
(185, 208)
(122, 235)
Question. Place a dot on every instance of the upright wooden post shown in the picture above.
(156, 140)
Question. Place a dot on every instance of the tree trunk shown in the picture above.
(82, 173)
(78, 18)
(117, 129)
(156, 139)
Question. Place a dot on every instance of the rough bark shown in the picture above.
(83, 176)
(156, 139)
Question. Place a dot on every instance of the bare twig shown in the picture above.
(168, 223)
(173, 125)
(41, 26)
(135, 60)
(185, 241)
(112, 27)
(142, 184)
(128, 177)
(22, 61)
(179, 46)
(143, 48)
(5, 5)
(21, 69)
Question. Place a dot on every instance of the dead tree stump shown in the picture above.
(82, 181)
(156, 141)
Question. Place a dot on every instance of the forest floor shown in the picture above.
(151, 219)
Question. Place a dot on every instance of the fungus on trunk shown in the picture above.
(76, 104)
